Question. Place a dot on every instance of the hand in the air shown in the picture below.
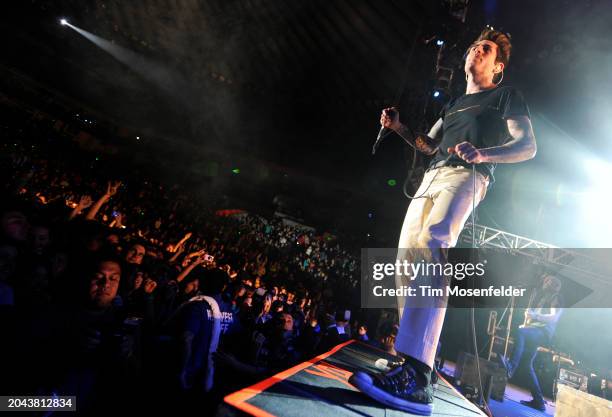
(84, 202)
(112, 187)
(467, 152)
(389, 118)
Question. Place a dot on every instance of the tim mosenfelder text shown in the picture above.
(448, 291)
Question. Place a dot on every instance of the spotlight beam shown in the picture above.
(154, 72)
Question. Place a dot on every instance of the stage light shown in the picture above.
(595, 202)
(599, 170)
(391, 183)
(436, 94)
(439, 42)
(236, 171)
(63, 22)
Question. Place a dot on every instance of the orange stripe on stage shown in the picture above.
(238, 399)
(449, 384)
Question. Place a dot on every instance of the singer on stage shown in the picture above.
(487, 125)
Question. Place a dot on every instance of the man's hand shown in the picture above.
(467, 152)
(389, 118)
(199, 259)
(84, 202)
(149, 285)
(112, 187)
(197, 253)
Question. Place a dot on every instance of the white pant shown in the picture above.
(433, 222)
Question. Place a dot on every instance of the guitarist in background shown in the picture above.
(541, 318)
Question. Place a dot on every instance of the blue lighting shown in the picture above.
(436, 94)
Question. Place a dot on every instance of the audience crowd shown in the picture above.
(129, 287)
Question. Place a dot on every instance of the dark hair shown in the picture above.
(386, 329)
(98, 260)
(502, 40)
(276, 304)
(213, 281)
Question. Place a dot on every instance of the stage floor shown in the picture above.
(320, 387)
(511, 406)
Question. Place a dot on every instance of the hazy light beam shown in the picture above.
(148, 69)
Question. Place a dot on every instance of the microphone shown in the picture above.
(382, 133)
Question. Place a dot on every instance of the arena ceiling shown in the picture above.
(298, 85)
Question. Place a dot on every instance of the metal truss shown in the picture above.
(572, 261)
(488, 237)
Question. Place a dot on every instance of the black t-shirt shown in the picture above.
(480, 119)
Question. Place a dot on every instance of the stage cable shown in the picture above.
(473, 309)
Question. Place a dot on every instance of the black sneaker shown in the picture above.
(538, 405)
(401, 388)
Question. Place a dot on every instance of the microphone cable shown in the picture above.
(485, 401)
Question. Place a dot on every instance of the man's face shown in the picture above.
(362, 330)
(40, 237)
(287, 320)
(135, 254)
(104, 284)
(550, 283)
(113, 239)
(15, 226)
(192, 286)
(481, 59)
